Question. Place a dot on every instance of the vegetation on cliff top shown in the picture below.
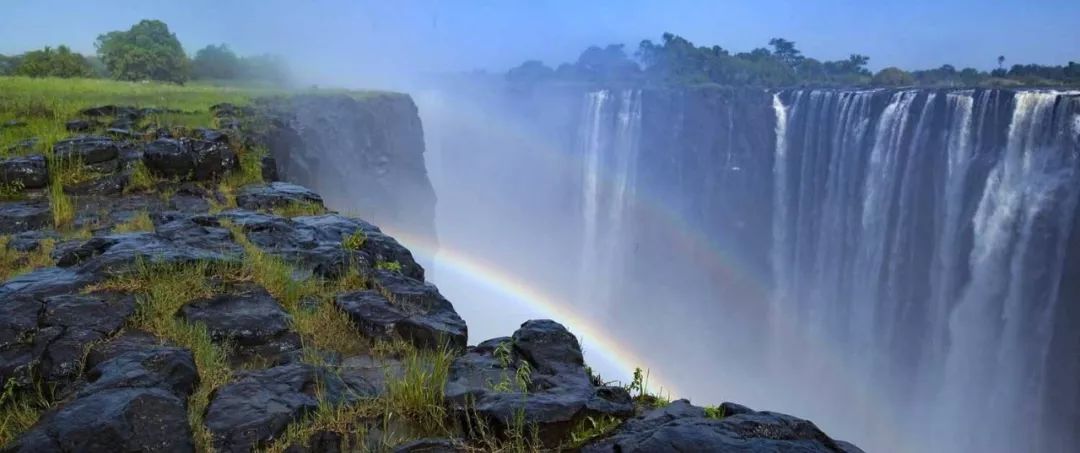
(677, 61)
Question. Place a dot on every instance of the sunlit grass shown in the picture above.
(14, 263)
(139, 222)
(20, 409)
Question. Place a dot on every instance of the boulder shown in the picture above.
(377, 247)
(188, 159)
(88, 149)
(257, 406)
(79, 125)
(19, 216)
(268, 166)
(484, 382)
(106, 185)
(30, 172)
(431, 445)
(167, 368)
(681, 426)
(274, 195)
(119, 419)
(248, 319)
(376, 317)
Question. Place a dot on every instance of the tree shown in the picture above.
(147, 51)
(785, 51)
(1001, 61)
(530, 72)
(47, 62)
(215, 62)
(8, 64)
(893, 77)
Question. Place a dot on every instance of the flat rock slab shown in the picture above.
(88, 149)
(275, 195)
(189, 159)
(257, 406)
(483, 382)
(681, 426)
(401, 307)
(249, 320)
(19, 216)
(30, 172)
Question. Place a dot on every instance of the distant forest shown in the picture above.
(677, 61)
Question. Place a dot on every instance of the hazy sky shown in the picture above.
(352, 40)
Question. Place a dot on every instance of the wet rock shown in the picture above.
(367, 376)
(681, 426)
(251, 321)
(105, 185)
(377, 317)
(123, 419)
(49, 281)
(558, 396)
(131, 340)
(123, 133)
(111, 110)
(88, 149)
(377, 247)
(212, 135)
(79, 125)
(180, 241)
(30, 172)
(30, 241)
(19, 216)
(269, 169)
(167, 368)
(274, 195)
(187, 159)
(430, 445)
(257, 406)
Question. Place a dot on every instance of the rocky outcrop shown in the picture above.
(363, 153)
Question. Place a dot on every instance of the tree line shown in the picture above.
(676, 60)
(146, 51)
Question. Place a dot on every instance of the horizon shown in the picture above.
(326, 41)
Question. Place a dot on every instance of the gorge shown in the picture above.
(898, 265)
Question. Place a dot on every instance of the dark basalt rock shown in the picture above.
(257, 406)
(681, 426)
(377, 246)
(275, 195)
(560, 394)
(79, 125)
(269, 169)
(250, 320)
(88, 149)
(212, 135)
(48, 338)
(376, 317)
(122, 419)
(19, 216)
(180, 241)
(49, 281)
(30, 172)
(430, 445)
(167, 368)
(24, 146)
(188, 159)
(105, 185)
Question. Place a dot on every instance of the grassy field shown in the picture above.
(46, 104)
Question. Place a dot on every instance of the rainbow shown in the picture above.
(597, 340)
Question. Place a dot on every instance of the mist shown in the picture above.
(677, 248)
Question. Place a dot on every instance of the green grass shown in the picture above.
(392, 266)
(139, 222)
(141, 178)
(716, 412)
(19, 410)
(14, 263)
(592, 428)
(354, 241)
(297, 209)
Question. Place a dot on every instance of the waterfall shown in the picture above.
(608, 146)
(929, 253)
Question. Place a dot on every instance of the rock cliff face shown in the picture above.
(190, 302)
(364, 154)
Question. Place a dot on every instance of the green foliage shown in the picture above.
(354, 241)
(147, 51)
(49, 62)
(417, 394)
(215, 62)
(298, 209)
(14, 263)
(392, 266)
(591, 428)
(893, 77)
(716, 412)
(639, 390)
(8, 64)
(138, 222)
(20, 409)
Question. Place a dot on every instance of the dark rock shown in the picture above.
(269, 169)
(30, 241)
(424, 327)
(681, 426)
(257, 406)
(30, 172)
(79, 125)
(212, 135)
(377, 246)
(131, 340)
(125, 133)
(179, 241)
(368, 376)
(88, 149)
(274, 195)
(49, 281)
(111, 110)
(123, 419)
(24, 146)
(19, 216)
(167, 368)
(251, 321)
(430, 445)
(560, 394)
(105, 185)
(189, 159)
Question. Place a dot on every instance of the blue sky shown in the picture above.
(345, 40)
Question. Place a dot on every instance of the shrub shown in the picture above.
(49, 62)
(147, 51)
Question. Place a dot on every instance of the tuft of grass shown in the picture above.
(392, 266)
(139, 222)
(639, 391)
(418, 394)
(63, 209)
(592, 428)
(19, 410)
(716, 412)
(355, 241)
(161, 289)
(14, 263)
(141, 178)
(297, 209)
